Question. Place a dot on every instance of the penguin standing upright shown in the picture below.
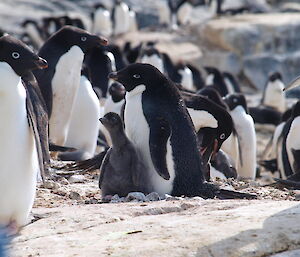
(102, 24)
(159, 126)
(84, 126)
(215, 78)
(273, 94)
(121, 18)
(244, 126)
(20, 145)
(59, 83)
(152, 56)
(35, 33)
(186, 77)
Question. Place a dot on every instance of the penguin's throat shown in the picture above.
(137, 90)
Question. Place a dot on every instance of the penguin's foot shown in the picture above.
(212, 191)
(290, 184)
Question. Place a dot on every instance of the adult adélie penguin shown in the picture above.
(158, 124)
(64, 52)
(245, 130)
(20, 150)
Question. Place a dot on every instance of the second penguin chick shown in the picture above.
(122, 168)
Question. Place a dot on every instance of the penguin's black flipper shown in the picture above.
(86, 165)
(159, 135)
(38, 119)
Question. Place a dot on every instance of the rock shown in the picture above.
(76, 179)
(152, 197)
(115, 199)
(294, 253)
(172, 198)
(74, 195)
(135, 196)
(49, 184)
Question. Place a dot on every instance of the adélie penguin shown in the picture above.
(245, 129)
(19, 152)
(84, 126)
(159, 126)
(122, 170)
(64, 52)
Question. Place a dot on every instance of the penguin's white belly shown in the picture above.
(274, 96)
(229, 86)
(122, 19)
(276, 136)
(132, 21)
(110, 106)
(18, 156)
(187, 79)
(84, 126)
(293, 140)
(138, 131)
(164, 12)
(209, 80)
(102, 23)
(246, 133)
(154, 60)
(65, 85)
(231, 147)
(216, 174)
(184, 13)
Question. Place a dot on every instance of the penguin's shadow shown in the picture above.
(270, 239)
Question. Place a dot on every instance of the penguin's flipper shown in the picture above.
(103, 166)
(296, 164)
(32, 121)
(159, 135)
(240, 149)
(59, 148)
(295, 83)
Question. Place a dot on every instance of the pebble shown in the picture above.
(115, 199)
(135, 197)
(76, 179)
(172, 198)
(74, 195)
(49, 184)
(153, 197)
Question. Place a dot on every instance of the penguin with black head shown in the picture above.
(20, 152)
(156, 118)
(64, 52)
(245, 129)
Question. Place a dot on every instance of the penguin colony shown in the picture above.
(163, 127)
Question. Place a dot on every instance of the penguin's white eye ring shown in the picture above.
(222, 136)
(235, 100)
(136, 76)
(83, 39)
(15, 55)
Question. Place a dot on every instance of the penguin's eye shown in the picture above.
(222, 136)
(235, 100)
(136, 76)
(15, 55)
(83, 39)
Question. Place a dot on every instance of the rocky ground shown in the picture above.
(69, 217)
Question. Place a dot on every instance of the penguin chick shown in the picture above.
(122, 168)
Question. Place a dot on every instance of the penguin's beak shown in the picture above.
(113, 75)
(103, 41)
(295, 83)
(41, 63)
(103, 120)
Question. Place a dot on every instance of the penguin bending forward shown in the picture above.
(20, 145)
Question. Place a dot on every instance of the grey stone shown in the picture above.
(294, 253)
(77, 179)
(135, 196)
(49, 184)
(115, 199)
(172, 198)
(153, 197)
(74, 195)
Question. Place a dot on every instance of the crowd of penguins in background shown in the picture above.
(166, 127)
